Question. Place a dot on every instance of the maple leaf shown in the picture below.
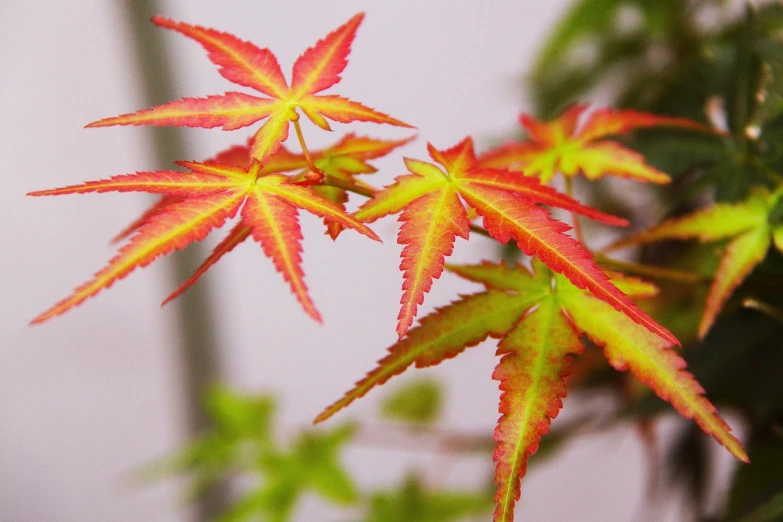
(749, 225)
(203, 199)
(241, 62)
(433, 204)
(234, 156)
(340, 163)
(539, 318)
(565, 146)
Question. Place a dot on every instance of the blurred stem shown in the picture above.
(653, 272)
(574, 218)
(766, 308)
(316, 174)
(198, 354)
(365, 191)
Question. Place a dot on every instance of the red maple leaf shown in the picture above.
(241, 62)
(566, 146)
(433, 203)
(198, 201)
(539, 318)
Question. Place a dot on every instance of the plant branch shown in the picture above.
(315, 174)
(654, 272)
(765, 308)
(574, 218)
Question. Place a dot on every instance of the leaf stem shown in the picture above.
(316, 174)
(574, 218)
(654, 272)
(366, 191)
(765, 308)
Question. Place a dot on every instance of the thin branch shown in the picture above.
(315, 174)
(574, 218)
(654, 272)
(765, 308)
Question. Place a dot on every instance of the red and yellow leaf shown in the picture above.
(239, 61)
(535, 359)
(343, 110)
(339, 162)
(507, 201)
(719, 221)
(747, 223)
(606, 121)
(320, 66)
(268, 139)
(230, 111)
(430, 224)
(439, 336)
(402, 192)
(632, 286)
(161, 182)
(740, 258)
(610, 158)
(238, 234)
(532, 190)
(245, 64)
(274, 224)
(337, 196)
(565, 147)
(501, 277)
(185, 214)
(506, 216)
(650, 358)
(157, 208)
(179, 225)
(235, 156)
(362, 147)
(539, 319)
(311, 202)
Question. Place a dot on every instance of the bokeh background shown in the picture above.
(88, 398)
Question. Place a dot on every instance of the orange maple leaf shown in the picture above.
(235, 156)
(566, 146)
(199, 201)
(241, 62)
(539, 318)
(339, 162)
(433, 203)
(750, 226)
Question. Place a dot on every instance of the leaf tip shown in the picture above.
(402, 328)
(162, 21)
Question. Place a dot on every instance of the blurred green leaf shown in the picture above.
(242, 442)
(317, 454)
(769, 512)
(239, 415)
(413, 502)
(417, 402)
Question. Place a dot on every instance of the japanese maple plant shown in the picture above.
(541, 313)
